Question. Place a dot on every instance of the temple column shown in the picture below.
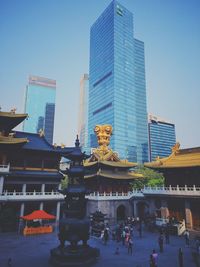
(188, 215)
(42, 191)
(22, 209)
(41, 205)
(164, 209)
(43, 188)
(24, 188)
(58, 212)
(1, 184)
(135, 212)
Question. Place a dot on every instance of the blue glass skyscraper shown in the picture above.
(40, 106)
(117, 90)
(162, 137)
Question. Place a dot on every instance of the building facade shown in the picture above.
(83, 113)
(162, 137)
(29, 172)
(117, 90)
(40, 105)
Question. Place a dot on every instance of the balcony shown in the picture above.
(31, 196)
(173, 191)
(115, 195)
(4, 168)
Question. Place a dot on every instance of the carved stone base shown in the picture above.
(81, 256)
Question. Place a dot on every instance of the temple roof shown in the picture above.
(116, 164)
(9, 120)
(180, 158)
(39, 143)
(35, 174)
(115, 175)
(8, 140)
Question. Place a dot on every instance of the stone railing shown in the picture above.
(114, 195)
(172, 191)
(162, 191)
(30, 196)
(4, 168)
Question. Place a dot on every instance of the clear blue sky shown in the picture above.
(50, 38)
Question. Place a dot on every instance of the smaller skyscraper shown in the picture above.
(83, 113)
(40, 105)
(162, 137)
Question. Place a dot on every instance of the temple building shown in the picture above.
(181, 197)
(29, 171)
(109, 178)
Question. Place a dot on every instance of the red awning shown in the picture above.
(38, 214)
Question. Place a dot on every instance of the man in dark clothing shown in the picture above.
(180, 257)
(160, 242)
(167, 235)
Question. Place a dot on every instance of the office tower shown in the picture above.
(40, 106)
(117, 90)
(162, 137)
(83, 113)
(49, 121)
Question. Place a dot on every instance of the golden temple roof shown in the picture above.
(116, 164)
(115, 175)
(180, 158)
(7, 140)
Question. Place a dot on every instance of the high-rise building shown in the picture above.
(162, 137)
(117, 90)
(40, 106)
(83, 113)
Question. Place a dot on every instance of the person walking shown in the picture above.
(187, 237)
(180, 257)
(106, 236)
(130, 246)
(160, 242)
(123, 237)
(167, 235)
(155, 258)
(152, 261)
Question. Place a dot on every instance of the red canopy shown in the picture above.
(38, 214)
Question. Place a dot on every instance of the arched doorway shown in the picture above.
(142, 208)
(121, 213)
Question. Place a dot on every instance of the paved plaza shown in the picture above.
(34, 251)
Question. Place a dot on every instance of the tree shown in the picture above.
(150, 178)
(64, 182)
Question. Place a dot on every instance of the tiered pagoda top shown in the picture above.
(9, 120)
(179, 158)
(26, 141)
(104, 162)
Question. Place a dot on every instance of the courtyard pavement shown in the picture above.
(34, 251)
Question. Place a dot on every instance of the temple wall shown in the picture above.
(109, 207)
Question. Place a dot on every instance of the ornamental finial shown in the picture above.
(176, 147)
(77, 143)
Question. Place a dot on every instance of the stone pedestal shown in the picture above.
(82, 256)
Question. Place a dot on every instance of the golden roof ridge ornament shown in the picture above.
(103, 152)
(176, 148)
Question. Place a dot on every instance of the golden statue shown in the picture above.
(103, 152)
(103, 133)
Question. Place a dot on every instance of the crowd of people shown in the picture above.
(125, 233)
